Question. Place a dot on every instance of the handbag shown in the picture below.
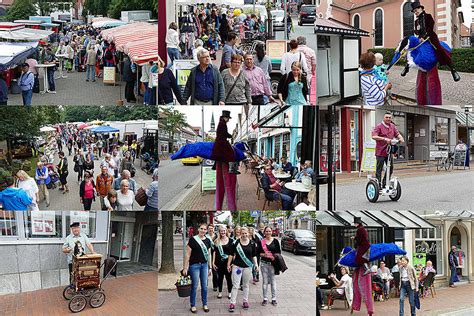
(141, 197)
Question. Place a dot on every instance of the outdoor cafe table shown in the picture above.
(298, 187)
(284, 175)
(45, 77)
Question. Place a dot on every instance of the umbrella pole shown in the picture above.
(120, 100)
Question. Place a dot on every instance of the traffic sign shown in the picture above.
(255, 213)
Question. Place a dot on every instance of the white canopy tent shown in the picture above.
(232, 3)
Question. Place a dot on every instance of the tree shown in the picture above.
(172, 122)
(109, 113)
(242, 218)
(167, 247)
(21, 9)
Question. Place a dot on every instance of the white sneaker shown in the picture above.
(53, 92)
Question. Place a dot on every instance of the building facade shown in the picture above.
(391, 20)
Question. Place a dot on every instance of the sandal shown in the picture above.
(194, 310)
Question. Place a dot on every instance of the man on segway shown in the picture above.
(383, 134)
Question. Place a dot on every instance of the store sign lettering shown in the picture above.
(424, 247)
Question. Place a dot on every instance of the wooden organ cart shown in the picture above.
(86, 285)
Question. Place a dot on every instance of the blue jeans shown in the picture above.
(407, 290)
(286, 199)
(109, 64)
(453, 275)
(147, 95)
(90, 71)
(27, 96)
(174, 54)
(198, 271)
(52, 86)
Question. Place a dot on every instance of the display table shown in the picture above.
(45, 77)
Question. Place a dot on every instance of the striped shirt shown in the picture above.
(372, 90)
(152, 193)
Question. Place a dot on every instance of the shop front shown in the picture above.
(31, 256)
(450, 228)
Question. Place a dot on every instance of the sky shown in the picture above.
(194, 115)
(467, 11)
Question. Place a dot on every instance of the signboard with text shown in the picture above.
(369, 160)
(43, 223)
(208, 179)
(109, 75)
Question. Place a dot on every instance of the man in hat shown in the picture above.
(70, 243)
(362, 245)
(424, 29)
(222, 150)
(26, 82)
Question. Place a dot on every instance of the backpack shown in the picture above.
(108, 54)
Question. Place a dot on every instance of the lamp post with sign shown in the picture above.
(467, 110)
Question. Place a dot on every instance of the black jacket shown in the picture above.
(285, 80)
(266, 186)
(279, 264)
(166, 86)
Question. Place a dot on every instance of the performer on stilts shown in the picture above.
(225, 164)
(361, 278)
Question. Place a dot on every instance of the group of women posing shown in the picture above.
(238, 257)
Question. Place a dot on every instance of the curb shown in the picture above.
(175, 202)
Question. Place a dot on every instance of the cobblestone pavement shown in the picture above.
(454, 93)
(128, 295)
(76, 90)
(71, 201)
(454, 302)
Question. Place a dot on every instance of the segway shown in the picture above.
(392, 186)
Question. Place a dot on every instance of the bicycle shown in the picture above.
(447, 161)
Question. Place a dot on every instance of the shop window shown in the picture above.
(378, 27)
(286, 145)
(87, 220)
(429, 244)
(277, 148)
(43, 224)
(8, 224)
(323, 167)
(408, 20)
(442, 130)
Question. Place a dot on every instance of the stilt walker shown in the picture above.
(225, 165)
(361, 278)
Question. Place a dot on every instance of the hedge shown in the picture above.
(463, 58)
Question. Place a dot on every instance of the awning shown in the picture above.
(142, 51)
(106, 23)
(12, 54)
(273, 113)
(453, 215)
(373, 219)
(105, 129)
(26, 34)
(332, 26)
(461, 118)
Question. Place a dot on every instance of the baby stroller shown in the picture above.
(54, 176)
(377, 288)
(86, 285)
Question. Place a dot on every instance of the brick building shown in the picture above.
(388, 21)
(4, 5)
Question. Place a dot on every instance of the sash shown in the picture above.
(203, 247)
(210, 239)
(242, 255)
(259, 237)
(221, 252)
(265, 249)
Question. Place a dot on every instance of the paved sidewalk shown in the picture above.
(454, 302)
(295, 296)
(76, 90)
(130, 295)
(454, 93)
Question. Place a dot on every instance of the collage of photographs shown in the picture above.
(313, 157)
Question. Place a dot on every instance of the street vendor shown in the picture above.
(424, 29)
(72, 240)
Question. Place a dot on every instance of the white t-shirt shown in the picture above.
(125, 202)
(345, 278)
(31, 189)
(289, 58)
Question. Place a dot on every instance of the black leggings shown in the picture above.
(80, 173)
(87, 204)
(222, 271)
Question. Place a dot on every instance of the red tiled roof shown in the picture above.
(352, 4)
(465, 31)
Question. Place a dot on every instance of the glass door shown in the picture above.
(121, 240)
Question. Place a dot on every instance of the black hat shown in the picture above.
(75, 224)
(357, 220)
(415, 5)
(226, 113)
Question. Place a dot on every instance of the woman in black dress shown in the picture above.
(222, 246)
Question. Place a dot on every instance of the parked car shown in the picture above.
(307, 14)
(299, 241)
(260, 11)
(278, 17)
(191, 160)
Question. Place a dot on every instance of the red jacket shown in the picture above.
(222, 150)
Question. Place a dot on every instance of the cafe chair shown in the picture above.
(428, 284)
(343, 298)
(259, 185)
(268, 201)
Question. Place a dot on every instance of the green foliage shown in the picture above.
(463, 58)
(21, 9)
(26, 121)
(109, 113)
(113, 8)
(242, 218)
(172, 122)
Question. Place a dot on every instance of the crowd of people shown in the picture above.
(239, 256)
(244, 74)
(114, 185)
(81, 48)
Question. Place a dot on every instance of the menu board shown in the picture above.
(109, 75)
(276, 48)
(460, 158)
(208, 179)
(369, 161)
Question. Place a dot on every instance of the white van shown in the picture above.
(260, 11)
